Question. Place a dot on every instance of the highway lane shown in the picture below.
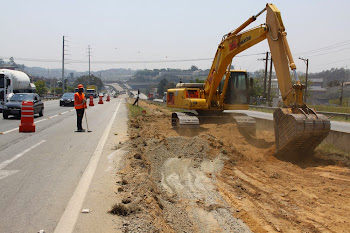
(40, 171)
(335, 125)
(51, 108)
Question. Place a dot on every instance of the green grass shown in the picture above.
(331, 149)
(324, 108)
(339, 118)
(135, 111)
(262, 109)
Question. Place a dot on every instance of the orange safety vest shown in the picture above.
(78, 101)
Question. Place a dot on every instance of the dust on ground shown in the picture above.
(216, 180)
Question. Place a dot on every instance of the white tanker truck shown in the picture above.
(13, 81)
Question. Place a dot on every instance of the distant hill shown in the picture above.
(108, 75)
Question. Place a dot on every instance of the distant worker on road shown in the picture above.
(80, 105)
(137, 98)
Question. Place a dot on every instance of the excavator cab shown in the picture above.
(237, 91)
(234, 92)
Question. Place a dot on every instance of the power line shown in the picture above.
(327, 47)
(124, 61)
(329, 52)
(332, 62)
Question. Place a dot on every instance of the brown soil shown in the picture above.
(216, 180)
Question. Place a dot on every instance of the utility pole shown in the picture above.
(63, 54)
(265, 78)
(341, 94)
(266, 59)
(269, 87)
(307, 68)
(89, 53)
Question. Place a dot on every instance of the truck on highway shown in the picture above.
(91, 90)
(13, 81)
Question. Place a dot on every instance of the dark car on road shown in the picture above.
(67, 99)
(13, 107)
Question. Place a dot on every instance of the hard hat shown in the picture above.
(80, 86)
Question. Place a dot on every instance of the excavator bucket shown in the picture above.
(298, 133)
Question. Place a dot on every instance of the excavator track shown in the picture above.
(184, 120)
(189, 120)
(299, 134)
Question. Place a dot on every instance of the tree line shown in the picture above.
(50, 86)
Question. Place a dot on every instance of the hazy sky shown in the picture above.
(153, 30)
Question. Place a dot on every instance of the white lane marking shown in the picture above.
(70, 215)
(6, 173)
(53, 116)
(40, 120)
(11, 130)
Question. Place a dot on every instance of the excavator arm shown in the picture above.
(230, 46)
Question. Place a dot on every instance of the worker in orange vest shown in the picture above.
(80, 105)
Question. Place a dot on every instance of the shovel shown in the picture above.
(87, 125)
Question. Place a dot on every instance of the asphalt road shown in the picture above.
(39, 172)
(335, 125)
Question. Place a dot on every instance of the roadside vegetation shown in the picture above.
(135, 111)
(329, 149)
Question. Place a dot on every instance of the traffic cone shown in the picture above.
(101, 100)
(91, 101)
(27, 117)
(108, 98)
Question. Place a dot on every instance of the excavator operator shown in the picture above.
(80, 105)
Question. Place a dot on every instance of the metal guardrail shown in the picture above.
(346, 115)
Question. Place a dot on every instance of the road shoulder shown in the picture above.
(102, 191)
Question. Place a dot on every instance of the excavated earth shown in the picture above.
(214, 179)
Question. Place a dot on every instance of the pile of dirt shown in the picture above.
(216, 179)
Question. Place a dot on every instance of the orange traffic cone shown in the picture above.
(27, 117)
(108, 98)
(91, 101)
(101, 100)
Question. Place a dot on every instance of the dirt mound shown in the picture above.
(207, 180)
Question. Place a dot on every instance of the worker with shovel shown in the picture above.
(80, 105)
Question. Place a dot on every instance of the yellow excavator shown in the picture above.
(298, 128)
